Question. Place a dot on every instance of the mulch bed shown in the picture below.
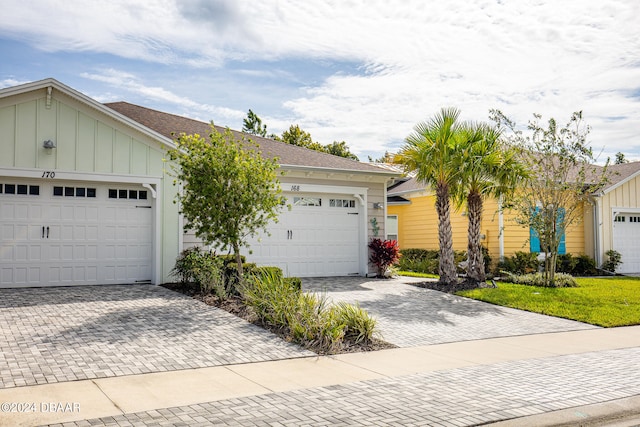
(235, 306)
(462, 285)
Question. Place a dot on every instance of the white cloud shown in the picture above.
(132, 83)
(416, 56)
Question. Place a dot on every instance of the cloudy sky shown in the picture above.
(360, 71)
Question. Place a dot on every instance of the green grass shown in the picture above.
(414, 274)
(608, 302)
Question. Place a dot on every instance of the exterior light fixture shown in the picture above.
(48, 144)
(377, 205)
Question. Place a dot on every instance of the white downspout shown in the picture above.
(501, 229)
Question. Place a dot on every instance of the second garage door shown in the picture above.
(319, 236)
(626, 240)
(67, 233)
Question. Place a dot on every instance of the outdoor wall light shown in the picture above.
(377, 205)
(49, 144)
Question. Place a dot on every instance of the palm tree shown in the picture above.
(428, 152)
(487, 168)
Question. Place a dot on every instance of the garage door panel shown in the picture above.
(312, 241)
(626, 240)
(72, 237)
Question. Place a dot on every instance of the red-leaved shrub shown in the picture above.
(384, 253)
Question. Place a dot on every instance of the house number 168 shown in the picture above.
(48, 174)
(295, 188)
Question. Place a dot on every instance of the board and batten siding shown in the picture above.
(625, 196)
(89, 142)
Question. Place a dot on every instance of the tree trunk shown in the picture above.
(447, 267)
(236, 251)
(475, 266)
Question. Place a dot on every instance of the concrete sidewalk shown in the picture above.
(513, 378)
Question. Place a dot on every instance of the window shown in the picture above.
(342, 203)
(115, 193)
(392, 227)
(619, 218)
(21, 189)
(74, 192)
(534, 239)
(307, 201)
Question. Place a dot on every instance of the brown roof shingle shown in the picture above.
(170, 126)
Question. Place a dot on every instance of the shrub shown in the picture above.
(270, 297)
(582, 265)
(202, 268)
(561, 280)
(314, 324)
(305, 318)
(186, 263)
(586, 266)
(384, 253)
(294, 282)
(520, 263)
(359, 326)
(419, 260)
(566, 263)
(614, 259)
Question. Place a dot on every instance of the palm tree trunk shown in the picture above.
(475, 266)
(447, 267)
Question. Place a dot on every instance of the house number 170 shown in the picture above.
(48, 174)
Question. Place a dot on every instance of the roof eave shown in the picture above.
(42, 84)
(619, 184)
(322, 169)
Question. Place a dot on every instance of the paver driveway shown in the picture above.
(63, 334)
(410, 316)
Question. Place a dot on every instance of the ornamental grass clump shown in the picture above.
(306, 318)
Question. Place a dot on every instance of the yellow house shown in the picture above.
(611, 220)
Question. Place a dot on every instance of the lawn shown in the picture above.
(608, 302)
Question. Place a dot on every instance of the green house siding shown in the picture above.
(90, 144)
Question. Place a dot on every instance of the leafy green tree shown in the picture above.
(620, 158)
(488, 167)
(340, 149)
(229, 191)
(562, 178)
(428, 152)
(297, 136)
(253, 124)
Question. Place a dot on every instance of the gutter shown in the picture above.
(337, 170)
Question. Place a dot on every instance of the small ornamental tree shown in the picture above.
(229, 191)
(384, 253)
(562, 179)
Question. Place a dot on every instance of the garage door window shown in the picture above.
(307, 201)
(74, 192)
(127, 194)
(342, 203)
(21, 189)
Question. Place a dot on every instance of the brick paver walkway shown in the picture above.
(63, 334)
(458, 397)
(411, 316)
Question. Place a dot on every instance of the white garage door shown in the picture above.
(68, 233)
(626, 240)
(318, 237)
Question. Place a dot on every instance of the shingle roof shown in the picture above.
(619, 173)
(408, 186)
(170, 126)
